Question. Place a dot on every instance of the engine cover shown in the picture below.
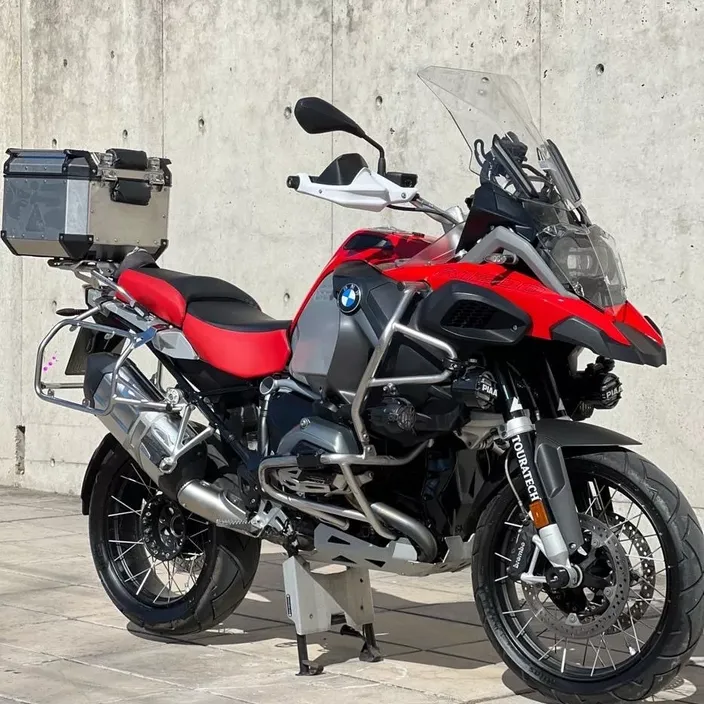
(313, 434)
(325, 482)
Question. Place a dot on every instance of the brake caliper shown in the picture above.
(522, 551)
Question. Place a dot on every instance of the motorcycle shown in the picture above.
(423, 412)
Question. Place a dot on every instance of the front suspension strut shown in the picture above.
(550, 500)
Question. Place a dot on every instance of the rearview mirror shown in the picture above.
(317, 116)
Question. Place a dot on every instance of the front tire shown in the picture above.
(647, 660)
(190, 577)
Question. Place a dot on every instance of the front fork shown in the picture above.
(553, 512)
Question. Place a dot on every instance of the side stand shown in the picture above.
(314, 602)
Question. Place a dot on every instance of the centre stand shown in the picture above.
(315, 602)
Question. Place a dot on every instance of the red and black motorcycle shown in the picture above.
(420, 414)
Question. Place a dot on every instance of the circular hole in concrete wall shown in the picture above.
(125, 134)
(288, 112)
(287, 297)
(599, 69)
(52, 462)
(379, 101)
(201, 124)
(53, 143)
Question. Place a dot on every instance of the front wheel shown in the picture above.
(166, 569)
(628, 634)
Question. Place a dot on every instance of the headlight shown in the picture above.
(585, 260)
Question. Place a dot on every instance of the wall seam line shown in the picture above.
(19, 10)
(163, 85)
(332, 100)
(20, 307)
(540, 65)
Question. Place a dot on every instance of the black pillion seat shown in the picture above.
(168, 293)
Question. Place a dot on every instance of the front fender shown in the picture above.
(568, 433)
(551, 436)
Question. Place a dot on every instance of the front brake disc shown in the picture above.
(576, 626)
(642, 584)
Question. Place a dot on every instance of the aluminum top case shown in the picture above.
(78, 205)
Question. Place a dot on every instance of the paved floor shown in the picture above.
(62, 640)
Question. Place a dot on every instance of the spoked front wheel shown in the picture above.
(635, 619)
(165, 568)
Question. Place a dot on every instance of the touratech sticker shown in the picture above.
(533, 494)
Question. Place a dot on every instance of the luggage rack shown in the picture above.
(98, 282)
(172, 400)
(47, 390)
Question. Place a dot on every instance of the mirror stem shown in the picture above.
(381, 166)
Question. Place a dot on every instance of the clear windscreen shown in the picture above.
(440, 250)
(508, 151)
(506, 147)
(586, 262)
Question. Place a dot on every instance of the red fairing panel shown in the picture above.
(401, 245)
(247, 355)
(546, 307)
(626, 313)
(158, 296)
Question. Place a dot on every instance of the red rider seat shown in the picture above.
(224, 325)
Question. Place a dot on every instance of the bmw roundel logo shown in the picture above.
(349, 298)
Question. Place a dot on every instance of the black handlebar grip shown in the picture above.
(293, 182)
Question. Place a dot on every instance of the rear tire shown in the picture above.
(678, 629)
(227, 561)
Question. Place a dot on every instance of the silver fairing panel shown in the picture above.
(314, 338)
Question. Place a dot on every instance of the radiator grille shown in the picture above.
(469, 314)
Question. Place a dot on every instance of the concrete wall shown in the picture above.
(210, 84)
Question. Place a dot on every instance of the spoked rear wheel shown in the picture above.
(166, 569)
(632, 624)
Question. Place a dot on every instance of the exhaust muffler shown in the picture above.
(151, 437)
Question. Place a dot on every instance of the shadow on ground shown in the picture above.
(402, 634)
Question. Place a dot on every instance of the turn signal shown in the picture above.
(539, 514)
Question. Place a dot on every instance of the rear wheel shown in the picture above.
(627, 635)
(166, 569)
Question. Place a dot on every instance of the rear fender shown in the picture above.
(108, 447)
